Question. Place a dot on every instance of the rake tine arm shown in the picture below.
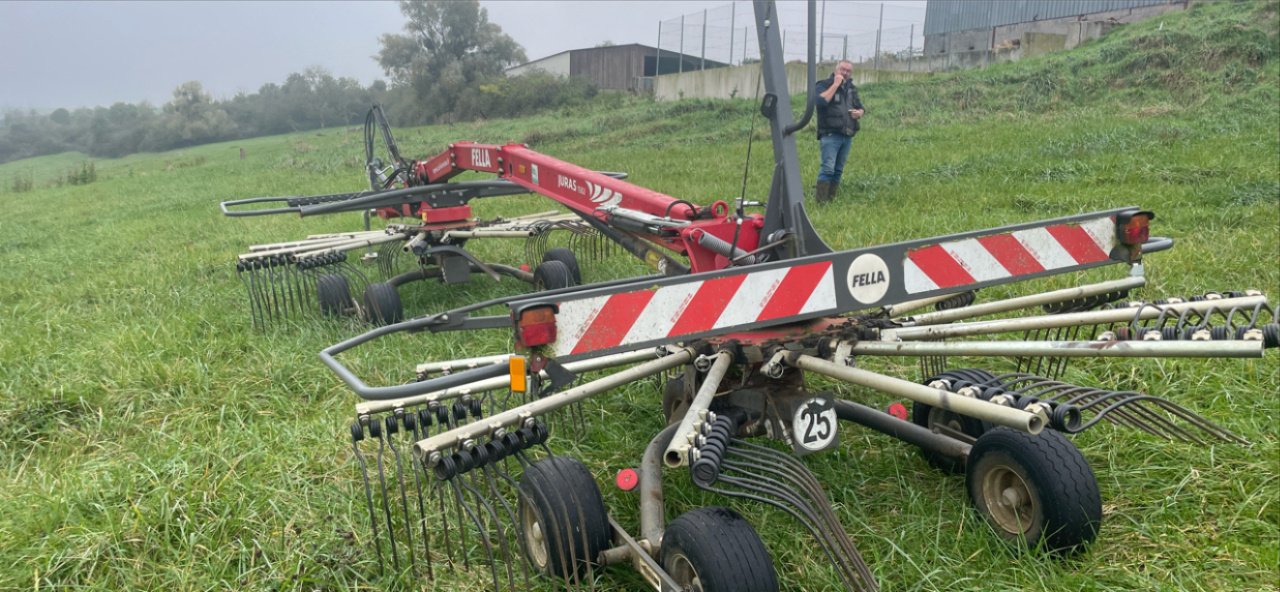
(1116, 315)
(500, 382)
(695, 416)
(517, 415)
(409, 194)
(1006, 416)
(1066, 349)
(1009, 304)
(288, 209)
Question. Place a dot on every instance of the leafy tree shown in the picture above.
(448, 48)
(192, 118)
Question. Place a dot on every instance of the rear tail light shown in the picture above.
(1134, 228)
(535, 325)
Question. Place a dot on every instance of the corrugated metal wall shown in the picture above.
(945, 16)
(613, 68)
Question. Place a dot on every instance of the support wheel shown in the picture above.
(334, 294)
(715, 550)
(569, 259)
(563, 522)
(552, 275)
(382, 304)
(1035, 490)
(948, 423)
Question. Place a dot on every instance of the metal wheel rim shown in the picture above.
(683, 572)
(941, 418)
(535, 540)
(1009, 499)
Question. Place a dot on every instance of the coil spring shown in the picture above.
(960, 300)
(1062, 417)
(473, 457)
(714, 441)
(1086, 303)
(314, 261)
(1237, 323)
(263, 262)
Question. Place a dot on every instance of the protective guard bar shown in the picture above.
(580, 306)
(457, 319)
(596, 320)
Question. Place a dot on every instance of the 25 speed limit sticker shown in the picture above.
(813, 427)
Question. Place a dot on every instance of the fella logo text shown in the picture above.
(866, 279)
(480, 158)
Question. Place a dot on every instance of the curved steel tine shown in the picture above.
(475, 519)
(766, 495)
(368, 497)
(245, 275)
(499, 532)
(404, 499)
(386, 508)
(422, 511)
(1153, 421)
(493, 474)
(817, 507)
(787, 467)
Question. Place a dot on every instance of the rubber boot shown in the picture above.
(835, 188)
(823, 191)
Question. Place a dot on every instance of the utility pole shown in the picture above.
(879, 27)
(733, 10)
(822, 32)
(702, 64)
(657, 60)
(682, 44)
(911, 47)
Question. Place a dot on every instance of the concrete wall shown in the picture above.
(1077, 30)
(740, 81)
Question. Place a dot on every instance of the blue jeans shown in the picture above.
(835, 150)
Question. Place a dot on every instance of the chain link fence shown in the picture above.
(870, 34)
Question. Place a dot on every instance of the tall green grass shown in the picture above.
(150, 438)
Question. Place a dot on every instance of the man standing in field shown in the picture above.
(839, 110)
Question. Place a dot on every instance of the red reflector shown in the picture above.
(898, 410)
(537, 326)
(627, 479)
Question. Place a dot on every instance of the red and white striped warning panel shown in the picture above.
(998, 256)
(603, 322)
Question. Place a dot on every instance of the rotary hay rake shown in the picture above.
(319, 274)
(457, 466)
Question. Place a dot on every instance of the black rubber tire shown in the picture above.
(573, 523)
(920, 415)
(334, 293)
(569, 259)
(722, 549)
(552, 275)
(1066, 506)
(382, 304)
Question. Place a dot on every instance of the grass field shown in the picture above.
(151, 438)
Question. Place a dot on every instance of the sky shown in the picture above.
(85, 54)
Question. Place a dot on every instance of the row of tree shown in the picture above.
(447, 66)
(307, 100)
